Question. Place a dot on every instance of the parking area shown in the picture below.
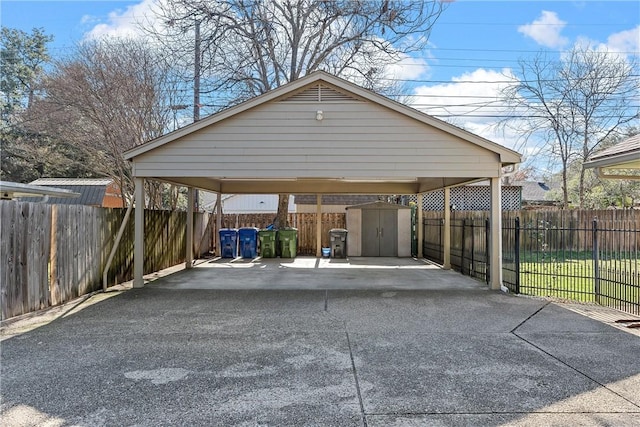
(363, 342)
(310, 273)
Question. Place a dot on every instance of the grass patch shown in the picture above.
(574, 278)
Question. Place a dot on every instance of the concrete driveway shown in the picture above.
(320, 343)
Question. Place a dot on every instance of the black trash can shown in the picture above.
(338, 241)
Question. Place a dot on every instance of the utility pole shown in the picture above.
(196, 97)
(196, 76)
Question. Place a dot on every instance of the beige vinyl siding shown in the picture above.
(283, 139)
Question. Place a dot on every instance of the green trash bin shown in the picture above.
(288, 241)
(267, 240)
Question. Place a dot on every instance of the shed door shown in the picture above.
(379, 232)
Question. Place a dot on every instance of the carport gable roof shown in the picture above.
(308, 159)
(623, 155)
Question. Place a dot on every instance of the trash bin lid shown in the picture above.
(338, 230)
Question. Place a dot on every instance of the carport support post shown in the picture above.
(219, 224)
(189, 249)
(138, 234)
(495, 250)
(446, 235)
(318, 225)
(420, 228)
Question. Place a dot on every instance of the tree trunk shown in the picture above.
(282, 217)
(581, 188)
(565, 189)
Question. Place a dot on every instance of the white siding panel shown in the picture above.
(355, 139)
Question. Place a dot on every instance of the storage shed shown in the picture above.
(379, 229)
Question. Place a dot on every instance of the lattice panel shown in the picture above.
(470, 198)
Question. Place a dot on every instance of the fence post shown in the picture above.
(487, 234)
(440, 242)
(464, 224)
(472, 268)
(596, 255)
(517, 254)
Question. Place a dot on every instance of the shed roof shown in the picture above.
(378, 205)
(361, 143)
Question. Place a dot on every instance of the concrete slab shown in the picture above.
(420, 346)
(509, 419)
(317, 273)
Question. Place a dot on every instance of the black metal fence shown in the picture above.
(470, 247)
(564, 254)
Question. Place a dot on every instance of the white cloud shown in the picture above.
(546, 30)
(472, 102)
(625, 41)
(407, 68)
(123, 23)
(470, 94)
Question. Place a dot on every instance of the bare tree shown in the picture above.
(252, 46)
(572, 105)
(108, 97)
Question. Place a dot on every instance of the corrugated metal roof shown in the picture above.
(90, 195)
(72, 181)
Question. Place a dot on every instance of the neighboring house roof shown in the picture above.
(244, 203)
(623, 155)
(91, 190)
(335, 199)
(534, 191)
(11, 190)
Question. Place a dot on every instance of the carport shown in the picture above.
(321, 135)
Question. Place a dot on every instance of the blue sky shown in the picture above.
(472, 44)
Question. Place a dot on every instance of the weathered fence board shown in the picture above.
(54, 253)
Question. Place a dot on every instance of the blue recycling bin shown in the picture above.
(228, 242)
(248, 242)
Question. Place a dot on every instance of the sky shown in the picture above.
(473, 45)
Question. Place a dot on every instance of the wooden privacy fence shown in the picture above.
(558, 229)
(304, 222)
(54, 253)
(571, 230)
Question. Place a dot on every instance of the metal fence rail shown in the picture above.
(555, 254)
(470, 247)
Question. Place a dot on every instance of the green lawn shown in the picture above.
(573, 278)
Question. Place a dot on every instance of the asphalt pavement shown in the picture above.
(317, 343)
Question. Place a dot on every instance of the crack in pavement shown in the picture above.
(355, 377)
(513, 332)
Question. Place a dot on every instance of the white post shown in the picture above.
(219, 224)
(420, 228)
(189, 249)
(446, 233)
(495, 242)
(318, 225)
(138, 235)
